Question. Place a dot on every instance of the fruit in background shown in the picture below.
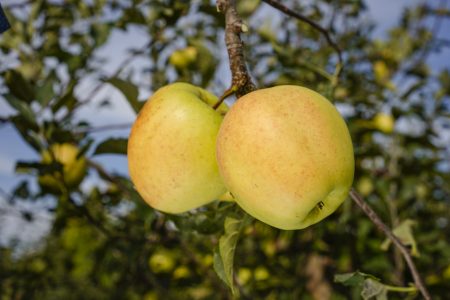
(340, 93)
(384, 122)
(183, 58)
(286, 155)
(73, 168)
(181, 272)
(381, 72)
(162, 261)
(364, 186)
(421, 191)
(171, 149)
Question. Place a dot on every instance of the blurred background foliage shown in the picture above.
(105, 243)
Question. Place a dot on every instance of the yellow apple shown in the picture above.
(74, 169)
(286, 155)
(384, 122)
(183, 58)
(171, 149)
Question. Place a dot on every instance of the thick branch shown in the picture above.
(405, 252)
(281, 7)
(241, 79)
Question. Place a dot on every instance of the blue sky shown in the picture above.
(384, 12)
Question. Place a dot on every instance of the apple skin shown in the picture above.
(74, 169)
(286, 155)
(171, 149)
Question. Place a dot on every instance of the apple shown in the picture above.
(384, 122)
(171, 149)
(183, 58)
(286, 155)
(162, 261)
(365, 186)
(74, 169)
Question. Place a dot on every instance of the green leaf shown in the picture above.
(353, 279)
(374, 289)
(224, 254)
(28, 130)
(68, 99)
(21, 107)
(112, 146)
(22, 190)
(404, 232)
(100, 33)
(45, 93)
(129, 90)
(19, 86)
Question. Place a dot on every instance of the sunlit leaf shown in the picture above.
(404, 232)
(224, 254)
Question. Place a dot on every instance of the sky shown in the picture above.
(385, 13)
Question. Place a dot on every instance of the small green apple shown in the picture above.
(162, 261)
(286, 155)
(171, 149)
(74, 169)
(183, 58)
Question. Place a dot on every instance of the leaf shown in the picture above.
(28, 130)
(373, 288)
(100, 33)
(129, 90)
(22, 190)
(404, 232)
(21, 107)
(112, 146)
(42, 168)
(68, 100)
(19, 86)
(224, 254)
(45, 92)
(353, 279)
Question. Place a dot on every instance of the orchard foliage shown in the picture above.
(106, 243)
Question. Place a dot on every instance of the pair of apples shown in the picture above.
(284, 153)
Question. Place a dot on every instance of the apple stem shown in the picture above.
(233, 28)
(225, 95)
(357, 198)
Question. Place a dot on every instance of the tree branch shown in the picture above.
(125, 63)
(405, 252)
(104, 128)
(281, 7)
(241, 80)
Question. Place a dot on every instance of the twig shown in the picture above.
(18, 5)
(281, 7)
(104, 128)
(122, 66)
(234, 26)
(103, 173)
(405, 252)
(89, 217)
